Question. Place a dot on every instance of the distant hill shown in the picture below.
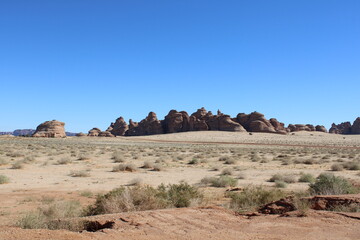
(29, 132)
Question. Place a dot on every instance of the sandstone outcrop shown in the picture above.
(80, 134)
(342, 128)
(50, 129)
(118, 128)
(105, 134)
(203, 120)
(149, 126)
(177, 122)
(94, 132)
(320, 128)
(255, 122)
(355, 128)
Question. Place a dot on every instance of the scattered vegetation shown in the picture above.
(252, 197)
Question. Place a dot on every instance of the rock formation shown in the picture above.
(203, 120)
(149, 126)
(355, 128)
(118, 128)
(177, 122)
(94, 132)
(50, 129)
(105, 134)
(80, 134)
(342, 128)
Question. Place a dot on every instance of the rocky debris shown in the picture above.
(331, 202)
(342, 128)
(355, 128)
(149, 126)
(118, 128)
(105, 134)
(278, 207)
(50, 129)
(94, 132)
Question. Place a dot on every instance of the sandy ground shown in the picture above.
(257, 158)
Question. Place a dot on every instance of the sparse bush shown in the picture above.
(64, 161)
(3, 161)
(337, 167)
(4, 179)
(124, 168)
(352, 166)
(253, 197)
(307, 178)
(193, 161)
(148, 164)
(280, 184)
(144, 198)
(328, 184)
(50, 217)
(227, 171)
(80, 173)
(230, 161)
(18, 165)
(118, 157)
(283, 178)
(222, 181)
(158, 168)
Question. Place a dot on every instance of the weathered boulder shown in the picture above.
(342, 128)
(50, 129)
(320, 128)
(105, 134)
(279, 126)
(355, 129)
(278, 207)
(118, 128)
(148, 126)
(80, 134)
(177, 122)
(255, 122)
(94, 132)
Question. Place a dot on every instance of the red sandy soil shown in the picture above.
(206, 223)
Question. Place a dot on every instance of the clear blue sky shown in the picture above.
(87, 62)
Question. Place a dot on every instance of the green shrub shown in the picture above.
(139, 198)
(4, 179)
(222, 181)
(280, 184)
(328, 184)
(51, 217)
(337, 167)
(253, 197)
(307, 177)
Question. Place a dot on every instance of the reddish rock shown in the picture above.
(94, 132)
(177, 122)
(355, 129)
(118, 128)
(105, 134)
(329, 202)
(255, 122)
(50, 129)
(320, 128)
(149, 126)
(342, 128)
(278, 207)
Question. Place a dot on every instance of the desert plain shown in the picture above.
(42, 171)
